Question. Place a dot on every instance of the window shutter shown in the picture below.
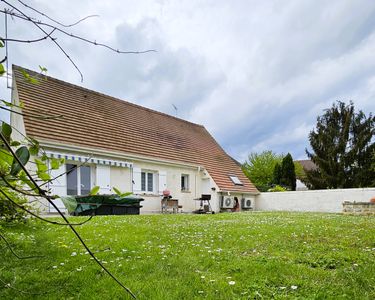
(58, 187)
(137, 180)
(162, 181)
(103, 179)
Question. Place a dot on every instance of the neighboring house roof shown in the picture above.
(92, 119)
(307, 164)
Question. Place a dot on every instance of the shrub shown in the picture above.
(277, 188)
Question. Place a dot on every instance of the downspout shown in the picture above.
(131, 179)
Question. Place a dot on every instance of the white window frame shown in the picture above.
(185, 188)
(145, 190)
(235, 180)
(78, 178)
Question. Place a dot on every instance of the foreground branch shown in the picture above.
(67, 172)
(25, 18)
(39, 217)
(39, 24)
(39, 117)
(14, 253)
(8, 285)
(53, 20)
(28, 41)
(43, 194)
(45, 32)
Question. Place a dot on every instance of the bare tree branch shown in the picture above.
(76, 36)
(49, 291)
(45, 32)
(53, 20)
(14, 253)
(8, 285)
(39, 117)
(28, 41)
(67, 172)
(39, 217)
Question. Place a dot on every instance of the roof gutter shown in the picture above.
(240, 192)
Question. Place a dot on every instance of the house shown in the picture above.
(307, 165)
(126, 146)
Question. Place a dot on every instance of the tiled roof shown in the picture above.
(307, 164)
(91, 119)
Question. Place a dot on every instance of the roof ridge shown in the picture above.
(107, 96)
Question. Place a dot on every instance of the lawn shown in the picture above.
(221, 256)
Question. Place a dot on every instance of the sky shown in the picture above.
(256, 74)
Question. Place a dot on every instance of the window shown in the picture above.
(184, 182)
(78, 180)
(235, 180)
(147, 182)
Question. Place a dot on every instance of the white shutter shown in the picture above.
(103, 179)
(162, 181)
(137, 181)
(58, 187)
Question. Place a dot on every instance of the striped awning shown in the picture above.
(89, 159)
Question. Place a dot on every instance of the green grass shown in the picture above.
(263, 255)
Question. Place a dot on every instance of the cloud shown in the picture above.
(255, 73)
(157, 79)
(306, 57)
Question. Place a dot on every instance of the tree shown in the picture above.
(260, 168)
(277, 173)
(342, 148)
(288, 173)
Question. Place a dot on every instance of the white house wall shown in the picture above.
(173, 174)
(57, 187)
(121, 178)
(16, 120)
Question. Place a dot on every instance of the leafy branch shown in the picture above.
(20, 159)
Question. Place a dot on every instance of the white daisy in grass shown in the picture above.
(294, 287)
(231, 282)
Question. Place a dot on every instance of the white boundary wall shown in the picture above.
(314, 201)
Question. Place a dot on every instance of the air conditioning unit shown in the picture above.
(246, 203)
(227, 202)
